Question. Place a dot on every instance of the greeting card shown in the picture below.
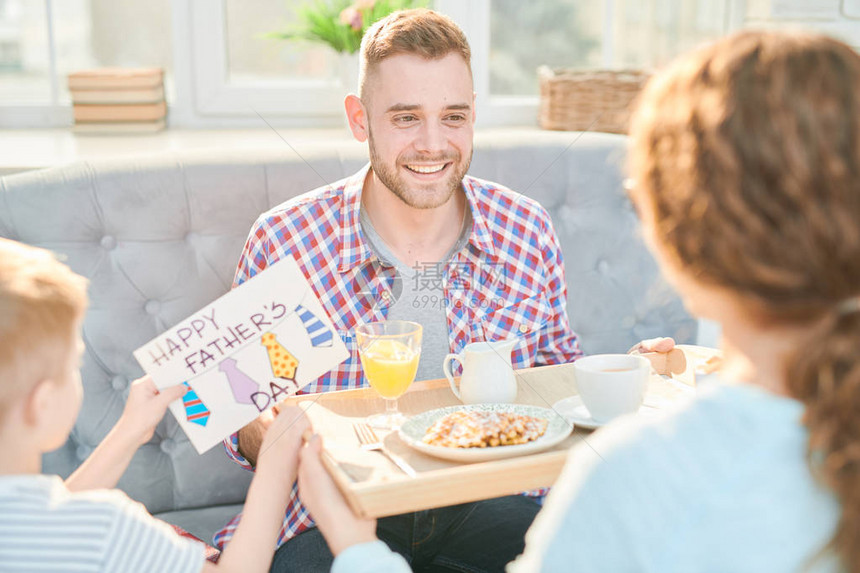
(241, 354)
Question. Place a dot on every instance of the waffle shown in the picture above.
(477, 429)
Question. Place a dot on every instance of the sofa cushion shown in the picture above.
(160, 237)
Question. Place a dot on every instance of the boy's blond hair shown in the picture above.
(419, 32)
(41, 303)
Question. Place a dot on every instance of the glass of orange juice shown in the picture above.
(389, 354)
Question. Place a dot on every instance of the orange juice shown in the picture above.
(390, 366)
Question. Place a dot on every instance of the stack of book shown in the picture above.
(118, 100)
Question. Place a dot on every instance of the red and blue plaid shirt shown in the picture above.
(506, 281)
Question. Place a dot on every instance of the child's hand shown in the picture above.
(317, 490)
(145, 408)
(283, 439)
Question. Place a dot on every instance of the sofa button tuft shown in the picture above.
(119, 382)
(152, 307)
(168, 446)
(108, 242)
(83, 451)
(603, 267)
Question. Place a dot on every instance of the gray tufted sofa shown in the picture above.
(159, 238)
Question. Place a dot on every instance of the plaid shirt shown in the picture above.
(508, 280)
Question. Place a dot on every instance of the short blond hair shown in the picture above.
(420, 32)
(41, 303)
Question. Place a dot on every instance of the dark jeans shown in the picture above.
(480, 537)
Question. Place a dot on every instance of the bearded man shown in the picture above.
(409, 228)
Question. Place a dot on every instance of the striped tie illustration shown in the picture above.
(195, 410)
(320, 335)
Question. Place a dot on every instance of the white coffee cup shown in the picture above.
(611, 384)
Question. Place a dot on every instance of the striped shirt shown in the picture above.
(45, 527)
(506, 281)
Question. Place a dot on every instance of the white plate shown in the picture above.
(575, 412)
(413, 430)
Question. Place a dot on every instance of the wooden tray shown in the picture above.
(374, 487)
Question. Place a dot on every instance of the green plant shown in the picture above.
(341, 23)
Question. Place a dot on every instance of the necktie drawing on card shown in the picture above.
(284, 364)
(319, 335)
(241, 384)
(195, 411)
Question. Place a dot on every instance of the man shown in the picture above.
(411, 236)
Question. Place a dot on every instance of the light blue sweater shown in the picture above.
(721, 484)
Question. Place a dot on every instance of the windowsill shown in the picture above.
(30, 149)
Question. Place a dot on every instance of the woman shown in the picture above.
(745, 160)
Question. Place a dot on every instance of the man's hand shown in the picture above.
(661, 352)
(340, 527)
(251, 436)
(661, 344)
(283, 439)
(145, 408)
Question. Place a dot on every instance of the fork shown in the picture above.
(369, 441)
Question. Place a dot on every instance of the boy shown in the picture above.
(53, 525)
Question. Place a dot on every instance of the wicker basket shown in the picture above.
(587, 100)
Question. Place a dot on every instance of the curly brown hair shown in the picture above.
(747, 156)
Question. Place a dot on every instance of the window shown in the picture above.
(563, 33)
(41, 41)
(24, 55)
(244, 76)
(222, 71)
(253, 58)
(511, 38)
(593, 34)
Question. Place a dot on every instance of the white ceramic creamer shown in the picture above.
(488, 376)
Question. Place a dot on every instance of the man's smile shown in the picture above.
(427, 168)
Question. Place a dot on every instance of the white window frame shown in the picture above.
(314, 104)
(216, 99)
(201, 28)
(204, 98)
(49, 114)
(473, 16)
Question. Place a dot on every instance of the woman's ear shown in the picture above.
(356, 116)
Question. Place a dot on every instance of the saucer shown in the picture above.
(574, 411)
